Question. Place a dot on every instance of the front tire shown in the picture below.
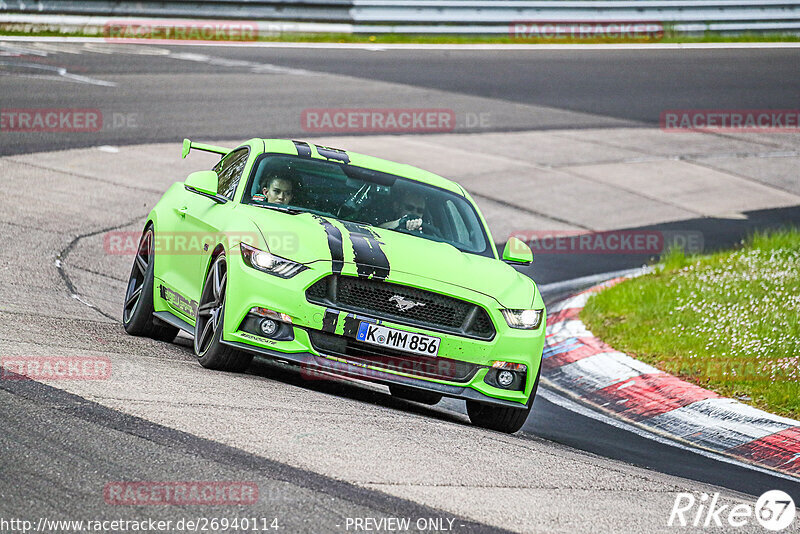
(137, 312)
(208, 347)
(501, 418)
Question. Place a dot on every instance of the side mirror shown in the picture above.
(203, 182)
(518, 252)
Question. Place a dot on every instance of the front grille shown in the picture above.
(372, 297)
(394, 360)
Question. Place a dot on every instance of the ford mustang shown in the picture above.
(343, 265)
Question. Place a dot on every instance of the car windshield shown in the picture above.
(361, 195)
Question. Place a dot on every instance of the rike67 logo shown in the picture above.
(774, 510)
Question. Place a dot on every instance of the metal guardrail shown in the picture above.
(444, 16)
(279, 10)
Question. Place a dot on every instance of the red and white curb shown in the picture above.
(585, 367)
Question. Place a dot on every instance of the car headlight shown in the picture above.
(270, 263)
(524, 319)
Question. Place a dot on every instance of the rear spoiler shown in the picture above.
(188, 145)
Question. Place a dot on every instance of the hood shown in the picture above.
(395, 256)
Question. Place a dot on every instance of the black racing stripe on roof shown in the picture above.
(303, 149)
(369, 257)
(334, 244)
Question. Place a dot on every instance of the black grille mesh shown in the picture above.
(318, 290)
(374, 297)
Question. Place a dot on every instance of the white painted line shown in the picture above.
(558, 332)
(578, 301)
(420, 46)
(600, 371)
(257, 68)
(568, 404)
(56, 73)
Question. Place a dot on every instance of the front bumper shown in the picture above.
(315, 366)
(248, 288)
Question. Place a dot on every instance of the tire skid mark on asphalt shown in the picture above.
(64, 253)
(97, 273)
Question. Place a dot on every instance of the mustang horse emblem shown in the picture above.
(403, 304)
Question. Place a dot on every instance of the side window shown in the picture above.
(229, 171)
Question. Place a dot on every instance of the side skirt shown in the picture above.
(175, 321)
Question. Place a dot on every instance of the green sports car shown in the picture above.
(341, 264)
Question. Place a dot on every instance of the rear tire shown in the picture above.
(210, 351)
(501, 418)
(416, 395)
(137, 312)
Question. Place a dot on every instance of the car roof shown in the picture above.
(295, 147)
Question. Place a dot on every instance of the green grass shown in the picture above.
(729, 322)
(393, 38)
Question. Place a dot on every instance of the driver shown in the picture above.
(409, 209)
(278, 188)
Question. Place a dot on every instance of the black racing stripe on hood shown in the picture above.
(302, 148)
(351, 323)
(330, 320)
(334, 244)
(369, 257)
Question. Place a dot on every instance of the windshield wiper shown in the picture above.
(293, 211)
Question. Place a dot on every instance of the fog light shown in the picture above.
(268, 327)
(505, 378)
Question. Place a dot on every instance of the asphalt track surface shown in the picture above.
(54, 467)
(186, 91)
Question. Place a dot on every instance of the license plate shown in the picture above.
(398, 339)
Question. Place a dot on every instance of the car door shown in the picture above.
(198, 222)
